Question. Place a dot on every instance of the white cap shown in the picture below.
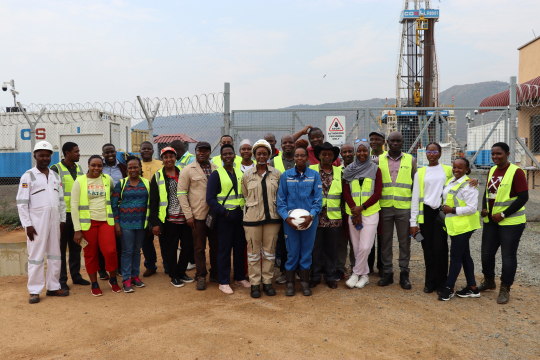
(262, 143)
(43, 145)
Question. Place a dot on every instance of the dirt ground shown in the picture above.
(160, 321)
(13, 236)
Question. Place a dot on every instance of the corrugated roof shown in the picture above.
(525, 92)
(168, 138)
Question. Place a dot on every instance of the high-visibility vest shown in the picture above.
(67, 182)
(459, 224)
(218, 162)
(186, 160)
(398, 195)
(503, 199)
(278, 163)
(233, 201)
(84, 207)
(421, 175)
(146, 183)
(380, 155)
(332, 201)
(361, 194)
(163, 199)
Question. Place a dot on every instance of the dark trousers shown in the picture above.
(282, 248)
(118, 253)
(149, 252)
(66, 240)
(172, 235)
(199, 239)
(460, 254)
(231, 236)
(435, 246)
(325, 253)
(506, 237)
(371, 256)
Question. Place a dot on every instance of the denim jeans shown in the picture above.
(132, 241)
(460, 254)
(506, 237)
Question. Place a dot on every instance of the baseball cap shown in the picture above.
(168, 148)
(203, 144)
(43, 145)
(380, 133)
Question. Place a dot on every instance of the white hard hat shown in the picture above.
(264, 143)
(296, 217)
(43, 145)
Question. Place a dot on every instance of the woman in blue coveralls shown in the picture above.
(299, 188)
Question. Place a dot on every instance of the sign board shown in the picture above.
(443, 113)
(406, 113)
(415, 14)
(335, 130)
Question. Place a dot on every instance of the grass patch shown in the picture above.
(8, 218)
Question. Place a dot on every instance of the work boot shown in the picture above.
(304, 281)
(255, 291)
(34, 298)
(487, 283)
(269, 290)
(404, 280)
(290, 282)
(387, 279)
(504, 294)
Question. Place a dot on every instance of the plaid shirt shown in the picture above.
(207, 169)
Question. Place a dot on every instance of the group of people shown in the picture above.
(301, 208)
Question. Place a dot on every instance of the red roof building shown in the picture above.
(168, 138)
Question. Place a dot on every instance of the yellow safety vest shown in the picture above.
(361, 194)
(67, 182)
(503, 199)
(219, 163)
(163, 199)
(185, 161)
(146, 183)
(233, 201)
(459, 224)
(421, 176)
(332, 201)
(84, 207)
(398, 195)
(278, 163)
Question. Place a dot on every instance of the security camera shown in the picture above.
(475, 112)
(4, 87)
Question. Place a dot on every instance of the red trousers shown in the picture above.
(100, 236)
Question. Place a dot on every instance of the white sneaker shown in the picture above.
(352, 281)
(190, 266)
(364, 280)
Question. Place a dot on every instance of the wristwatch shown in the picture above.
(312, 217)
(453, 210)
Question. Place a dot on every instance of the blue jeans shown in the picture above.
(299, 245)
(132, 241)
(149, 252)
(506, 237)
(460, 254)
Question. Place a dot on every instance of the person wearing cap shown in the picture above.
(330, 221)
(216, 160)
(261, 219)
(316, 138)
(42, 212)
(69, 170)
(168, 219)
(191, 193)
(376, 142)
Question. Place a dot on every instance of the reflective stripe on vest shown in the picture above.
(234, 200)
(332, 201)
(146, 183)
(278, 163)
(361, 194)
(84, 207)
(67, 182)
(237, 161)
(459, 224)
(186, 160)
(503, 199)
(398, 195)
(421, 175)
(163, 199)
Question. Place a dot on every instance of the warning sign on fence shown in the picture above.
(335, 130)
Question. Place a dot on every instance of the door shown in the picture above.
(115, 135)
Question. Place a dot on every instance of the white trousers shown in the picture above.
(362, 241)
(46, 242)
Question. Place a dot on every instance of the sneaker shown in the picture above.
(187, 279)
(468, 292)
(446, 294)
(243, 283)
(190, 266)
(115, 288)
(338, 275)
(226, 289)
(352, 281)
(487, 283)
(97, 292)
(364, 280)
(282, 279)
(177, 282)
(201, 283)
(127, 286)
(103, 276)
(137, 282)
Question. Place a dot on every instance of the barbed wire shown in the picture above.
(75, 112)
(528, 95)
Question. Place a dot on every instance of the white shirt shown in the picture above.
(467, 193)
(434, 181)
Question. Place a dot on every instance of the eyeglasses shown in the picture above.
(300, 156)
(434, 152)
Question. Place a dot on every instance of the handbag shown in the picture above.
(211, 218)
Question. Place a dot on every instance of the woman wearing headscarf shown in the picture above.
(362, 190)
(246, 155)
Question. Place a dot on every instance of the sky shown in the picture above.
(274, 54)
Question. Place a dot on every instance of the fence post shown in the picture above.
(227, 109)
(149, 119)
(511, 120)
(32, 129)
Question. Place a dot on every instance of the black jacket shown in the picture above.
(154, 200)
